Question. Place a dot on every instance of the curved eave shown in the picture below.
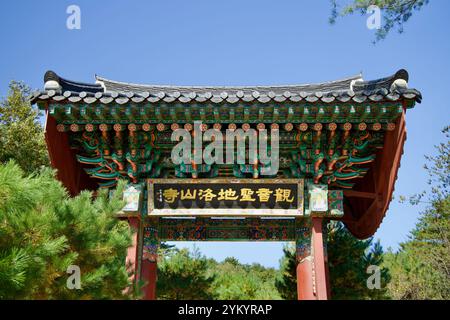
(364, 215)
(111, 98)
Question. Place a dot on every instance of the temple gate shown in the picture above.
(340, 145)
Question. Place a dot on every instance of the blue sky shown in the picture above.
(201, 42)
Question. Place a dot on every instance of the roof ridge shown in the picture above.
(346, 79)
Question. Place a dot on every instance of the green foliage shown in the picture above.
(183, 274)
(348, 259)
(421, 269)
(21, 135)
(395, 12)
(286, 279)
(43, 232)
(236, 281)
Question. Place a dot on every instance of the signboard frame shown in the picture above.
(226, 212)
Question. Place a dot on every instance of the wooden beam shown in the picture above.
(261, 114)
(305, 114)
(290, 114)
(216, 113)
(366, 113)
(83, 109)
(99, 112)
(114, 112)
(382, 112)
(320, 114)
(63, 159)
(352, 113)
(232, 113)
(173, 113)
(276, 113)
(359, 194)
(187, 113)
(336, 112)
(158, 113)
(202, 113)
(246, 113)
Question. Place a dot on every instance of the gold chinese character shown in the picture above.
(207, 194)
(188, 195)
(228, 194)
(282, 195)
(246, 194)
(264, 194)
(170, 195)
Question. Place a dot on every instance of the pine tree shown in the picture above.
(421, 269)
(183, 274)
(396, 13)
(21, 134)
(286, 279)
(43, 231)
(348, 261)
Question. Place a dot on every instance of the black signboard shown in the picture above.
(226, 197)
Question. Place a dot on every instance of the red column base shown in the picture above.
(312, 280)
(149, 275)
(305, 284)
(319, 260)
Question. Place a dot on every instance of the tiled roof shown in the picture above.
(392, 88)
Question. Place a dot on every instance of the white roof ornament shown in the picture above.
(399, 84)
(97, 81)
(353, 83)
(52, 85)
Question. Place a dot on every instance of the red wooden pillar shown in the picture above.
(305, 271)
(312, 281)
(327, 269)
(149, 260)
(319, 260)
(149, 276)
(305, 279)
